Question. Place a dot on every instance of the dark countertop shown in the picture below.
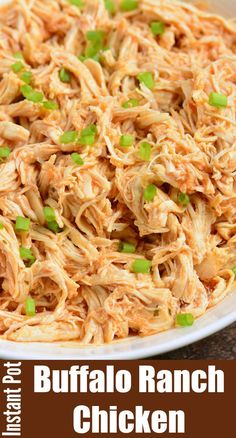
(221, 345)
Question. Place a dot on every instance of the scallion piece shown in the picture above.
(146, 78)
(64, 75)
(91, 129)
(53, 226)
(218, 100)
(31, 95)
(141, 266)
(157, 27)
(26, 254)
(30, 307)
(49, 214)
(131, 103)
(26, 77)
(126, 141)
(17, 67)
(183, 199)
(185, 319)
(22, 223)
(68, 137)
(78, 3)
(1, 226)
(88, 135)
(95, 36)
(234, 270)
(128, 5)
(77, 159)
(127, 248)
(110, 6)
(149, 192)
(50, 105)
(4, 152)
(145, 151)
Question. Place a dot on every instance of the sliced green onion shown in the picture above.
(234, 270)
(131, 103)
(95, 36)
(77, 159)
(22, 223)
(1, 226)
(18, 66)
(5, 152)
(145, 151)
(26, 254)
(64, 75)
(183, 199)
(146, 78)
(110, 6)
(68, 137)
(78, 3)
(126, 141)
(141, 266)
(50, 105)
(150, 192)
(31, 95)
(87, 140)
(185, 319)
(127, 248)
(49, 214)
(53, 226)
(128, 5)
(218, 100)
(18, 55)
(91, 129)
(30, 307)
(26, 77)
(157, 27)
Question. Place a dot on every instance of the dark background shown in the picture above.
(222, 345)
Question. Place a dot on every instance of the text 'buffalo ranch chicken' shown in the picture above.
(118, 164)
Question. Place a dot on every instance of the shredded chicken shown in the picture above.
(83, 285)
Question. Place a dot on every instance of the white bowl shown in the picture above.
(134, 348)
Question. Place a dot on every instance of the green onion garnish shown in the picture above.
(26, 77)
(64, 75)
(126, 141)
(141, 266)
(53, 226)
(218, 100)
(234, 270)
(127, 248)
(50, 105)
(146, 78)
(78, 3)
(18, 66)
(1, 226)
(110, 6)
(185, 319)
(31, 95)
(22, 223)
(30, 307)
(131, 103)
(4, 152)
(88, 135)
(77, 159)
(18, 55)
(183, 199)
(128, 5)
(150, 192)
(95, 36)
(49, 214)
(145, 151)
(157, 27)
(68, 137)
(26, 254)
